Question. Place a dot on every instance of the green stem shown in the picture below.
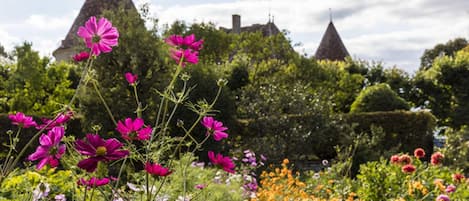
(8, 160)
(120, 173)
(139, 104)
(108, 110)
(92, 194)
(86, 190)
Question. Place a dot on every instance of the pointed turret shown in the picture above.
(331, 46)
(90, 8)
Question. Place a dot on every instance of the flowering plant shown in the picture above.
(143, 154)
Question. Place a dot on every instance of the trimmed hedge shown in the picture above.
(378, 97)
(404, 129)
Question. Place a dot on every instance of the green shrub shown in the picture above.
(379, 97)
(403, 130)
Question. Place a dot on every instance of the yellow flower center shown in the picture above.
(101, 151)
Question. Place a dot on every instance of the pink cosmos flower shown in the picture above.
(131, 78)
(443, 198)
(93, 182)
(409, 168)
(186, 48)
(200, 186)
(157, 170)
(98, 149)
(60, 120)
(187, 56)
(81, 56)
(214, 128)
(134, 130)
(50, 150)
(436, 158)
(100, 35)
(22, 120)
(419, 153)
(223, 161)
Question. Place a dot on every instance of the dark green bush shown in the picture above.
(404, 130)
(379, 97)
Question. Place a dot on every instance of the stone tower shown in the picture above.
(68, 46)
(331, 46)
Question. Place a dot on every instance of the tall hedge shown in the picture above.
(403, 129)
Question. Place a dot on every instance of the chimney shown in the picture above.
(236, 24)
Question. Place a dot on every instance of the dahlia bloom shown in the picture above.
(223, 161)
(131, 78)
(214, 128)
(93, 182)
(22, 120)
(419, 153)
(409, 168)
(405, 159)
(436, 158)
(458, 178)
(394, 159)
(100, 35)
(157, 170)
(98, 149)
(134, 129)
(442, 198)
(81, 56)
(50, 150)
(450, 188)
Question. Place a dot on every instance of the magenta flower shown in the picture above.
(60, 120)
(22, 120)
(157, 170)
(50, 150)
(134, 130)
(450, 188)
(98, 149)
(131, 78)
(93, 182)
(442, 198)
(214, 128)
(81, 56)
(223, 161)
(100, 35)
(186, 48)
(185, 56)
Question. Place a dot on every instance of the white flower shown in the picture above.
(60, 197)
(42, 190)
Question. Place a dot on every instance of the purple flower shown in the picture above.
(60, 120)
(442, 198)
(131, 78)
(186, 49)
(93, 182)
(100, 35)
(450, 188)
(22, 120)
(81, 56)
(185, 56)
(200, 186)
(50, 150)
(134, 129)
(98, 149)
(157, 170)
(214, 128)
(223, 161)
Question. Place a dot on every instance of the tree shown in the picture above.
(448, 49)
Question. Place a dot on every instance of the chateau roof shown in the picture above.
(331, 46)
(268, 29)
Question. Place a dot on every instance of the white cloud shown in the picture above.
(44, 22)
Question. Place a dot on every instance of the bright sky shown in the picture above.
(395, 32)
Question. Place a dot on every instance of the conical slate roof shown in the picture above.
(91, 8)
(331, 46)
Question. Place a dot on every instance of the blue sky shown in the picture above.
(395, 32)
